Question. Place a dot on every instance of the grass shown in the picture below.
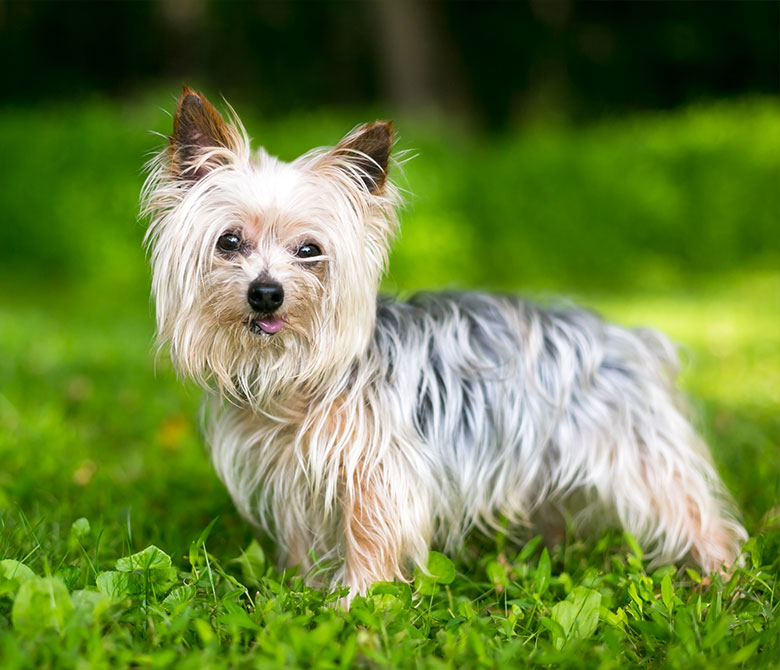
(664, 220)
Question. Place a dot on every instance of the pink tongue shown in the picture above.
(271, 325)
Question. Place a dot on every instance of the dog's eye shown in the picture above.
(308, 251)
(229, 242)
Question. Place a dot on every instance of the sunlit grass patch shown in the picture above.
(729, 332)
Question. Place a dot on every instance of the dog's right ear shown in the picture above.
(202, 139)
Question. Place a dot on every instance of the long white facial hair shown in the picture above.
(207, 179)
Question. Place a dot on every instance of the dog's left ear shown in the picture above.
(202, 139)
(364, 154)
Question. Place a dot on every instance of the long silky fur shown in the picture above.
(370, 428)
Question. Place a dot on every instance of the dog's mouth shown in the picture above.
(265, 325)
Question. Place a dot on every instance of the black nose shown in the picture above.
(265, 296)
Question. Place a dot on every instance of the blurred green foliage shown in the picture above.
(637, 203)
(644, 202)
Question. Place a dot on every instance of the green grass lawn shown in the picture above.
(667, 220)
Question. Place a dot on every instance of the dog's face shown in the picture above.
(265, 273)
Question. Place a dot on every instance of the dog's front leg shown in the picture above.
(387, 527)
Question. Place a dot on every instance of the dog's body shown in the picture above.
(363, 430)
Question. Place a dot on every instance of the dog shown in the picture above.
(358, 430)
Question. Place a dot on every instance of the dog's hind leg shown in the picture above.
(626, 436)
(660, 480)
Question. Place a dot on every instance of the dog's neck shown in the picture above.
(320, 380)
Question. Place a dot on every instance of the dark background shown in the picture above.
(490, 63)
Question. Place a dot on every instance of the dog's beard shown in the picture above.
(238, 357)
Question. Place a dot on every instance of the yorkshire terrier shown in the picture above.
(357, 429)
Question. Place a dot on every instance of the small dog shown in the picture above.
(357, 429)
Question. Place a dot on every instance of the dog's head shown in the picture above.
(265, 273)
